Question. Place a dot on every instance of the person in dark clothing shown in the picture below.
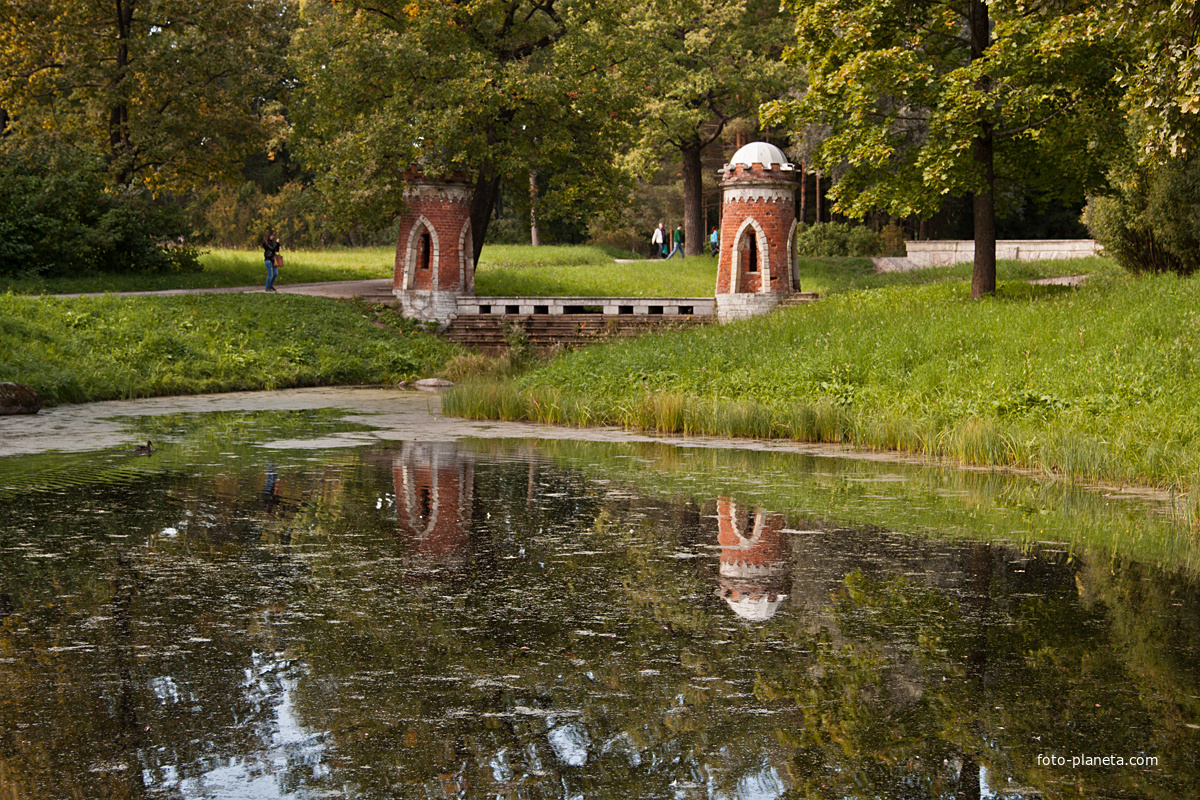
(677, 242)
(271, 248)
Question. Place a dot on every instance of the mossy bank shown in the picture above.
(101, 348)
(1097, 382)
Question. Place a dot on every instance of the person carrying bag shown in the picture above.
(272, 260)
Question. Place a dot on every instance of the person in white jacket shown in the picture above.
(659, 241)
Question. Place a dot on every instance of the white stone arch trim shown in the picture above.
(793, 258)
(410, 252)
(466, 259)
(764, 256)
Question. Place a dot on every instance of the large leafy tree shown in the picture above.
(169, 92)
(1162, 77)
(928, 98)
(492, 89)
(697, 65)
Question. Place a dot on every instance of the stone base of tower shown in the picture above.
(732, 307)
(428, 305)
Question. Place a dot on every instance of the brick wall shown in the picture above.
(767, 197)
(441, 209)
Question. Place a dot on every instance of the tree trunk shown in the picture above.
(803, 192)
(533, 202)
(693, 197)
(119, 144)
(483, 199)
(818, 200)
(983, 278)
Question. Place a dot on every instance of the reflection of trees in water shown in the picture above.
(915, 688)
(515, 629)
(123, 661)
(551, 663)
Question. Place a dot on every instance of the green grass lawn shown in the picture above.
(1098, 382)
(832, 275)
(508, 270)
(100, 348)
(589, 272)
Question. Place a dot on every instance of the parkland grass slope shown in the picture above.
(101, 348)
(1098, 382)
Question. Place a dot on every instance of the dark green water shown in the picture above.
(507, 620)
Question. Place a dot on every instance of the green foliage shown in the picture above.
(172, 92)
(831, 239)
(1151, 222)
(692, 68)
(1161, 78)
(510, 231)
(928, 99)
(99, 348)
(498, 89)
(59, 217)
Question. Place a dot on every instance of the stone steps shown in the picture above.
(798, 299)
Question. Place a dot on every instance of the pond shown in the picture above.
(347, 596)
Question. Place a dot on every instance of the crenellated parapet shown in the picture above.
(757, 264)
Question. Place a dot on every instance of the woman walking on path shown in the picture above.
(271, 247)
(658, 242)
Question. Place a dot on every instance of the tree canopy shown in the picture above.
(171, 92)
(693, 67)
(493, 89)
(926, 99)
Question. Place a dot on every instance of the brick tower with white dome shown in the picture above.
(757, 265)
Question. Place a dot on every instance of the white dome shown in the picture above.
(760, 153)
(756, 609)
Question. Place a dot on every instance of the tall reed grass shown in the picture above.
(1097, 383)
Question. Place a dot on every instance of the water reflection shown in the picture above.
(442, 620)
(434, 485)
(755, 559)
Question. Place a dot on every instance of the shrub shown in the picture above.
(892, 240)
(508, 230)
(831, 239)
(1150, 223)
(59, 216)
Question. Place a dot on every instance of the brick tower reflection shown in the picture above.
(755, 559)
(434, 491)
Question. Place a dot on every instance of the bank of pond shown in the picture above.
(1095, 382)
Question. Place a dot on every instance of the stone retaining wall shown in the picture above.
(940, 254)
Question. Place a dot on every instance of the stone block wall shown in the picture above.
(945, 253)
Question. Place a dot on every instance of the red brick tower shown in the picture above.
(755, 559)
(758, 226)
(435, 262)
